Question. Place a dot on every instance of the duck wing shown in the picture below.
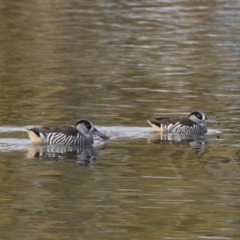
(158, 123)
(164, 121)
(181, 121)
(66, 130)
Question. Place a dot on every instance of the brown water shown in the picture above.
(120, 63)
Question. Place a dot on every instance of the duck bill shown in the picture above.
(212, 121)
(96, 132)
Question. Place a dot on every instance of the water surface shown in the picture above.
(119, 63)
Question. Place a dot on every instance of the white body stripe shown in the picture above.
(195, 129)
(62, 139)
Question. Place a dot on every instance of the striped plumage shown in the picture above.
(66, 135)
(194, 124)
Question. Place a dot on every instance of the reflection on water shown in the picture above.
(81, 154)
(175, 138)
(119, 63)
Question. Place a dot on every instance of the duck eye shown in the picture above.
(199, 116)
(87, 125)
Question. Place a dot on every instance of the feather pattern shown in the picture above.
(81, 134)
(194, 124)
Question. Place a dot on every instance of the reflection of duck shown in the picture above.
(60, 152)
(194, 124)
(176, 138)
(66, 135)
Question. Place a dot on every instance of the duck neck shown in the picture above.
(89, 138)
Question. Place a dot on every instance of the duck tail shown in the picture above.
(155, 125)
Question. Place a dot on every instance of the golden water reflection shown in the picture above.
(119, 63)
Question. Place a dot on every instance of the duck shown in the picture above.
(194, 124)
(81, 134)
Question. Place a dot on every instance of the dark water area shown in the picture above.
(120, 63)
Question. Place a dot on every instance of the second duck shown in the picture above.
(194, 124)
